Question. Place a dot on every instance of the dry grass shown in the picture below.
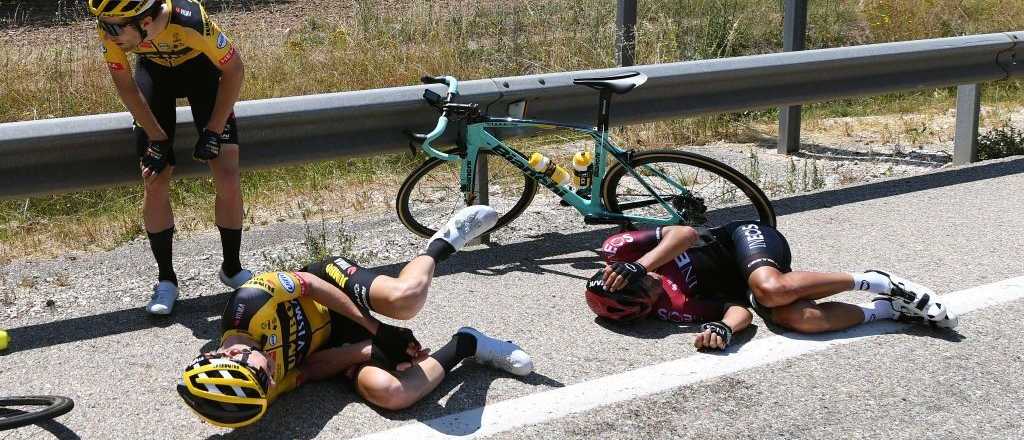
(53, 68)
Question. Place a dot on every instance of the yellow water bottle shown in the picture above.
(582, 167)
(4, 339)
(542, 164)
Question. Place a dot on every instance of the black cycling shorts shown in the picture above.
(197, 80)
(757, 245)
(346, 331)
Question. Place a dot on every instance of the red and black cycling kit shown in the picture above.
(703, 278)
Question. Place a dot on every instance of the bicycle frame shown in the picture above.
(478, 139)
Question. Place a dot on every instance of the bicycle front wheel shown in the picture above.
(703, 190)
(430, 195)
(16, 412)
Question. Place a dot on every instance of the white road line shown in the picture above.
(560, 402)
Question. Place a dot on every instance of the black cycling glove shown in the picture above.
(208, 146)
(719, 328)
(390, 346)
(154, 160)
(631, 272)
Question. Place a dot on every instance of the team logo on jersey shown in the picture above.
(115, 66)
(335, 273)
(286, 282)
(228, 56)
(222, 40)
(183, 12)
(273, 340)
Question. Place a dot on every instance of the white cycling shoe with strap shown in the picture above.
(466, 224)
(165, 293)
(503, 355)
(913, 300)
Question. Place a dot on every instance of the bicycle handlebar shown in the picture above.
(442, 121)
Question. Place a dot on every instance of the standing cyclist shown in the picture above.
(181, 53)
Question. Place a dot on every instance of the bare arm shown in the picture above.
(132, 98)
(232, 76)
(674, 240)
(737, 317)
(325, 293)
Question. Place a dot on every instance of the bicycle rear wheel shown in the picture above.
(16, 412)
(706, 191)
(430, 195)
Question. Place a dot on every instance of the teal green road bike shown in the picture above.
(627, 188)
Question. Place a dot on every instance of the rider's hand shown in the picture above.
(208, 146)
(620, 274)
(154, 160)
(714, 336)
(394, 346)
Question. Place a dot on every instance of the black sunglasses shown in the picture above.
(113, 29)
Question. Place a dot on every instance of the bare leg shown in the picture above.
(156, 206)
(403, 297)
(395, 391)
(773, 288)
(228, 204)
(805, 316)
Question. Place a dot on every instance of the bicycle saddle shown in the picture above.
(621, 83)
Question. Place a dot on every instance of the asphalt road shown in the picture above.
(952, 230)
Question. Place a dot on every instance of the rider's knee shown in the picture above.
(159, 183)
(407, 300)
(382, 389)
(771, 291)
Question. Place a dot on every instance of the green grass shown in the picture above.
(362, 44)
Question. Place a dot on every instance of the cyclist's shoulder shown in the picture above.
(191, 17)
(280, 285)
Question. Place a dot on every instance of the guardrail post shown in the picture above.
(968, 111)
(793, 39)
(625, 32)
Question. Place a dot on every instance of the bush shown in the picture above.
(1000, 142)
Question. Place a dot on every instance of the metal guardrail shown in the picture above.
(57, 155)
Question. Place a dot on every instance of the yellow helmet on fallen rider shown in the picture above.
(122, 8)
(225, 392)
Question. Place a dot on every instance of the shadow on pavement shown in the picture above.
(55, 428)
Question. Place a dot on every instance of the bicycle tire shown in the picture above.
(760, 203)
(53, 406)
(419, 222)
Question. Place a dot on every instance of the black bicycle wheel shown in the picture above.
(430, 195)
(715, 193)
(16, 412)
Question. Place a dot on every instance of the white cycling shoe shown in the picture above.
(236, 281)
(466, 224)
(165, 293)
(916, 301)
(503, 355)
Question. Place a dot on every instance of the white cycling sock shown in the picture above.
(880, 309)
(873, 282)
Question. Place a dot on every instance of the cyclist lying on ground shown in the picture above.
(712, 276)
(282, 329)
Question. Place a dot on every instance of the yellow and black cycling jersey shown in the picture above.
(189, 33)
(274, 309)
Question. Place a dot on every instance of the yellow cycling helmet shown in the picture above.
(121, 8)
(224, 392)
